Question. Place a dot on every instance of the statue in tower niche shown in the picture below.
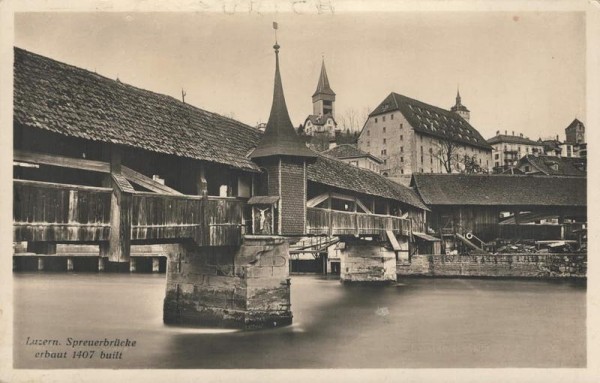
(263, 219)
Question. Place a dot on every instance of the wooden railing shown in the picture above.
(333, 222)
(52, 212)
(48, 212)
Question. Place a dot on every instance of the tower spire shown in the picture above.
(280, 138)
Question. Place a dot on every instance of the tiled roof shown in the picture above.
(74, 102)
(505, 138)
(318, 119)
(433, 121)
(333, 172)
(565, 166)
(502, 190)
(349, 151)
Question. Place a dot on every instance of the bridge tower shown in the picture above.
(283, 156)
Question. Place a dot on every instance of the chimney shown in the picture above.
(497, 132)
(557, 137)
(506, 132)
(521, 135)
(513, 132)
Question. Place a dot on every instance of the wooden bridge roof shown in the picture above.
(71, 101)
(501, 190)
(67, 100)
(333, 172)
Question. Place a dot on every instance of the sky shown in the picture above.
(517, 71)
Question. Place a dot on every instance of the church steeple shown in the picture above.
(459, 108)
(280, 138)
(324, 96)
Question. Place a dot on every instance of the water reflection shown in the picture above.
(416, 323)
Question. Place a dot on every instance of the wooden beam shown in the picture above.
(118, 247)
(202, 185)
(61, 161)
(317, 200)
(363, 206)
(343, 197)
(147, 182)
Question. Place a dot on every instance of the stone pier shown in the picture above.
(365, 261)
(246, 287)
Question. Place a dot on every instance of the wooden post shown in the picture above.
(40, 264)
(330, 215)
(132, 265)
(119, 245)
(101, 264)
(69, 264)
(155, 264)
(202, 185)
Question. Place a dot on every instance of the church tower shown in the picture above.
(460, 109)
(324, 97)
(283, 157)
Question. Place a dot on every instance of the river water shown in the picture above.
(416, 323)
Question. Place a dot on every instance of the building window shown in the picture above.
(384, 129)
(385, 162)
(402, 149)
(368, 133)
(368, 143)
(384, 152)
(401, 125)
(421, 159)
(384, 141)
(527, 169)
(401, 138)
(401, 171)
(497, 164)
(392, 116)
(383, 119)
(401, 159)
(355, 163)
(421, 170)
(497, 156)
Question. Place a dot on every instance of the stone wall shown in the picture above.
(501, 265)
(246, 287)
(367, 261)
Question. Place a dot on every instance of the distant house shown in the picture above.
(575, 134)
(508, 149)
(552, 166)
(410, 136)
(354, 156)
(322, 121)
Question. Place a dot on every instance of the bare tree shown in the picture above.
(469, 165)
(448, 153)
(352, 119)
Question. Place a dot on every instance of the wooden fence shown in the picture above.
(333, 222)
(48, 212)
(52, 212)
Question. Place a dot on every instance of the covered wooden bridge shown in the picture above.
(102, 164)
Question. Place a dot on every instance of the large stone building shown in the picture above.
(411, 136)
(508, 149)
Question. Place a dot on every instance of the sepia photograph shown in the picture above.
(238, 186)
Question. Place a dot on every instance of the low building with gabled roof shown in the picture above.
(412, 137)
(354, 156)
(552, 165)
(480, 204)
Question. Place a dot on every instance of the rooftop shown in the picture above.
(511, 139)
(502, 190)
(74, 102)
(433, 121)
(553, 165)
(344, 151)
